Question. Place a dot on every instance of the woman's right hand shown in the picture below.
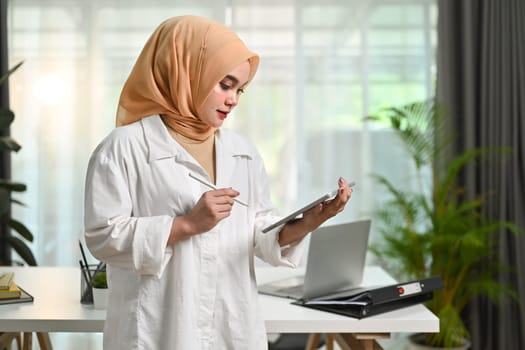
(212, 207)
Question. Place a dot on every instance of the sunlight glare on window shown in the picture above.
(50, 89)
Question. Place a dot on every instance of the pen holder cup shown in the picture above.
(86, 291)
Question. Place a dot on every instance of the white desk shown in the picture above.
(283, 317)
(57, 308)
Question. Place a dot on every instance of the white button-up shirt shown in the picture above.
(200, 293)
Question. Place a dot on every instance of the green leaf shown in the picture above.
(7, 143)
(6, 118)
(9, 72)
(22, 249)
(100, 280)
(16, 201)
(21, 229)
(12, 186)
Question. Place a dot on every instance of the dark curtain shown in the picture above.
(481, 81)
(5, 158)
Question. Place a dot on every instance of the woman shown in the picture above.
(179, 255)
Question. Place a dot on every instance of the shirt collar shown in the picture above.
(161, 145)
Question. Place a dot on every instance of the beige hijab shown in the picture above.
(182, 61)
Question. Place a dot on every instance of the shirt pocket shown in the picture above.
(241, 180)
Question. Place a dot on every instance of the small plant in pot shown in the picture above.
(436, 229)
(100, 280)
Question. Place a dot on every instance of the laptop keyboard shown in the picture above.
(292, 290)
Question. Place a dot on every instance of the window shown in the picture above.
(324, 66)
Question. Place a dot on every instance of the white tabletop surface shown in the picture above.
(283, 317)
(57, 307)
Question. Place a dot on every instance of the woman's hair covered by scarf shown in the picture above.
(182, 61)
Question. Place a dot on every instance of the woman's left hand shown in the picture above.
(313, 218)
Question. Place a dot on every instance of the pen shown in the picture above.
(85, 260)
(213, 187)
(87, 294)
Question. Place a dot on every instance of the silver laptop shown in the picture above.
(335, 263)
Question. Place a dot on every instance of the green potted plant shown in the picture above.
(100, 290)
(436, 230)
(100, 280)
(8, 144)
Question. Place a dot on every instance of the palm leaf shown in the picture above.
(22, 249)
(445, 233)
(9, 144)
(6, 118)
(21, 229)
(13, 186)
(9, 72)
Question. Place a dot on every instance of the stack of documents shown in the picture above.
(10, 292)
(377, 300)
(8, 287)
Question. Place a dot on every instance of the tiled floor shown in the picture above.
(77, 341)
(396, 342)
(93, 341)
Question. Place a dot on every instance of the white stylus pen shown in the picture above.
(213, 187)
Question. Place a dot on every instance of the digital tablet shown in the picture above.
(298, 212)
